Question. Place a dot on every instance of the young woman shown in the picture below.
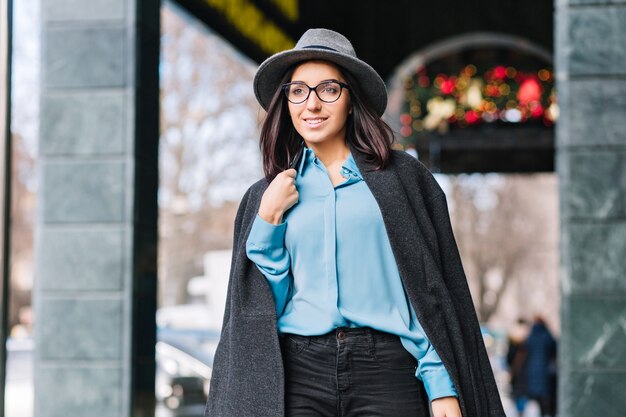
(347, 296)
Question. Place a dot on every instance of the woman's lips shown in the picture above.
(314, 121)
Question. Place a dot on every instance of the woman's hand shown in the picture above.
(279, 197)
(446, 407)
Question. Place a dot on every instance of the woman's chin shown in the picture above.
(319, 138)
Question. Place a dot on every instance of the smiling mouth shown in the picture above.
(315, 122)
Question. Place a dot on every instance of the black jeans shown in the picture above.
(351, 372)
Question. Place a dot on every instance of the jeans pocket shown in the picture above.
(295, 344)
(391, 354)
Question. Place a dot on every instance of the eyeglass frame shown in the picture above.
(285, 88)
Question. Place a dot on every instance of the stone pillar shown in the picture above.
(96, 226)
(591, 162)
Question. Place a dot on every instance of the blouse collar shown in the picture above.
(349, 168)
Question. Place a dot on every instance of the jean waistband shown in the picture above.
(348, 334)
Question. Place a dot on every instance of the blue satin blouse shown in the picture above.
(330, 264)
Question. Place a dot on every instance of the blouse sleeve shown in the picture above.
(266, 248)
(430, 368)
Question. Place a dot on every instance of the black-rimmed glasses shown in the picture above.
(327, 91)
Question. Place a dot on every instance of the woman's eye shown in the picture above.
(297, 91)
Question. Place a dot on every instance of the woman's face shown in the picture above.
(317, 121)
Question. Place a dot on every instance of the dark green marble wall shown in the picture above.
(591, 139)
(95, 289)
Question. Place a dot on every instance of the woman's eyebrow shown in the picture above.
(323, 81)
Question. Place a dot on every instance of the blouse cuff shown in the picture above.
(264, 235)
(438, 384)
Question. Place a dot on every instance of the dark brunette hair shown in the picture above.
(366, 132)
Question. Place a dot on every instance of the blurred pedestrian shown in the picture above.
(347, 295)
(540, 366)
(516, 360)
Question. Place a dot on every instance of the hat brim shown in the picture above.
(268, 76)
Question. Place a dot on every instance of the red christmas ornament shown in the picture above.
(530, 90)
(471, 117)
(499, 72)
(447, 86)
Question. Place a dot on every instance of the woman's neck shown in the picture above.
(330, 153)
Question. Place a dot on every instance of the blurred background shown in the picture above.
(472, 95)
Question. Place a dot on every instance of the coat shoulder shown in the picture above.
(248, 207)
(253, 195)
(408, 164)
(404, 158)
(413, 172)
(257, 189)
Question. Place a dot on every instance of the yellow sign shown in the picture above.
(250, 22)
(289, 8)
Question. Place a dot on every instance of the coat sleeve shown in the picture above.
(486, 396)
(450, 259)
(248, 350)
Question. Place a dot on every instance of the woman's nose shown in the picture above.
(313, 102)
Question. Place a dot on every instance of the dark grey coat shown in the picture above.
(248, 371)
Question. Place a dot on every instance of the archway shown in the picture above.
(479, 102)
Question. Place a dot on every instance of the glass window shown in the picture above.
(209, 156)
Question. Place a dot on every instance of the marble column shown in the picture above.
(95, 287)
(591, 162)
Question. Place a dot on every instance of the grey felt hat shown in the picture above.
(326, 45)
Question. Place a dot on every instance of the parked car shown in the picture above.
(184, 366)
